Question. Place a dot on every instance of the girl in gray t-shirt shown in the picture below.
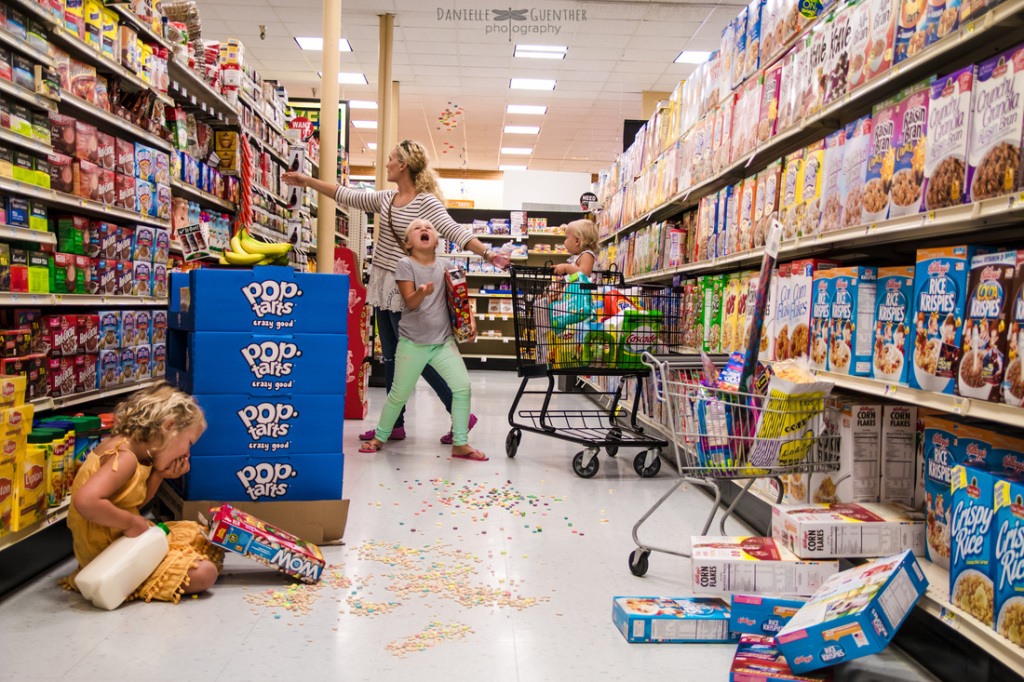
(425, 337)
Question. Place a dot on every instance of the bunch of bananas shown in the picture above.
(247, 250)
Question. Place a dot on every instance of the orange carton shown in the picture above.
(459, 306)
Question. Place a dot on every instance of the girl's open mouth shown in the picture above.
(424, 237)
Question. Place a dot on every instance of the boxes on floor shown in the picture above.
(1009, 560)
(972, 569)
(1013, 378)
(823, 531)
(899, 450)
(758, 658)
(664, 620)
(859, 430)
(855, 613)
(261, 478)
(894, 313)
(979, 365)
(757, 615)
(851, 321)
(755, 565)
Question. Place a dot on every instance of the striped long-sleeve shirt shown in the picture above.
(386, 251)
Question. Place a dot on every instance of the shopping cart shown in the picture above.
(595, 327)
(721, 435)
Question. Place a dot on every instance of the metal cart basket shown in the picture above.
(592, 326)
(727, 435)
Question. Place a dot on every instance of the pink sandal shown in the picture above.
(369, 447)
(474, 456)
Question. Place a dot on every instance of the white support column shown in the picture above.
(329, 92)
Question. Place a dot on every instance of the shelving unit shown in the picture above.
(204, 199)
(103, 118)
(48, 403)
(27, 96)
(28, 143)
(16, 43)
(93, 209)
(54, 515)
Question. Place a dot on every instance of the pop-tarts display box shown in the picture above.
(280, 424)
(265, 300)
(1009, 558)
(725, 565)
(662, 620)
(972, 551)
(263, 478)
(257, 364)
(758, 659)
(827, 531)
(856, 613)
(757, 615)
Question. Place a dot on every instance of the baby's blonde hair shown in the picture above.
(143, 415)
(405, 235)
(586, 230)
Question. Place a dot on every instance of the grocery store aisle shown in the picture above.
(507, 568)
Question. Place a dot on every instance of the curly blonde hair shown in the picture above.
(424, 178)
(143, 415)
(586, 230)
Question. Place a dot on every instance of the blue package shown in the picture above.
(972, 553)
(655, 619)
(753, 615)
(264, 477)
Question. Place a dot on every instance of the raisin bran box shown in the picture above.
(1008, 538)
(894, 313)
(1013, 379)
(949, 126)
(855, 152)
(756, 615)
(758, 659)
(244, 534)
(994, 157)
(885, 135)
(725, 565)
(663, 620)
(908, 168)
(982, 358)
(855, 613)
(972, 568)
(830, 531)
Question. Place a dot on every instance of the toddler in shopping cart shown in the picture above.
(425, 337)
(581, 243)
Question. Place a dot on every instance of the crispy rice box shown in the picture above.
(972, 569)
(823, 531)
(239, 532)
(724, 565)
(1009, 560)
(894, 313)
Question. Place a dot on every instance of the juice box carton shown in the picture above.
(459, 307)
(661, 620)
(1009, 559)
(821, 315)
(758, 658)
(827, 531)
(972, 560)
(940, 298)
(983, 346)
(894, 312)
(859, 431)
(899, 450)
(851, 322)
(855, 613)
(757, 615)
(244, 534)
(756, 565)
(1013, 380)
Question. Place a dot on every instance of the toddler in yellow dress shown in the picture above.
(153, 432)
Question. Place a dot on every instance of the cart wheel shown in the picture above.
(646, 472)
(512, 442)
(611, 450)
(638, 562)
(613, 434)
(590, 470)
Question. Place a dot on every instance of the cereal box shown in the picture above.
(812, 87)
(783, 310)
(940, 293)
(769, 109)
(994, 155)
(802, 274)
(656, 619)
(858, 426)
(459, 306)
(714, 288)
(983, 346)
(894, 314)
(821, 314)
(732, 214)
(810, 193)
(789, 87)
(939, 443)
(753, 61)
(908, 168)
(855, 613)
(972, 567)
(145, 167)
(851, 324)
(739, 48)
(940, 18)
(885, 135)
(911, 36)
(724, 565)
(768, 190)
(949, 126)
(748, 190)
(1013, 381)
(238, 532)
(1008, 538)
(723, 152)
(899, 450)
(859, 41)
(790, 200)
(836, 68)
(108, 368)
(824, 531)
(759, 615)
(758, 658)
(726, 49)
(832, 198)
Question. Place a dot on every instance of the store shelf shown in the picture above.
(494, 317)
(16, 43)
(488, 356)
(559, 235)
(472, 256)
(194, 91)
(276, 155)
(199, 196)
(490, 275)
(270, 195)
(99, 116)
(12, 299)
(52, 516)
(36, 10)
(32, 145)
(27, 96)
(260, 113)
(500, 237)
(505, 339)
(508, 295)
(548, 253)
(46, 404)
(23, 234)
(81, 206)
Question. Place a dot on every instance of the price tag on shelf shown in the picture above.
(483, 358)
(492, 318)
(961, 405)
(890, 390)
(34, 298)
(947, 616)
(970, 28)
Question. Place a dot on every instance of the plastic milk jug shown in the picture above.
(122, 566)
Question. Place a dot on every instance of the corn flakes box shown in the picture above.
(894, 313)
(832, 531)
(899, 451)
(759, 615)
(1008, 538)
(972, 568)
(1013, 380)
(724, 565)
(906, 196)
(982, 359)
(664, 620)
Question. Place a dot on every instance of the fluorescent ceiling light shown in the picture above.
(524, 130)
(348, 78)
(317, 44)
(543, 48)
(692, 57)
(540, 51)
(526, 109)
(361, 104)
(525, 151)
(507, 167)
(531, 84)
(372, 125)
(371, 145)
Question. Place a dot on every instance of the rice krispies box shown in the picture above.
(908, 168)
(982, 359)
(949, 126)
(207, 362)
(994, 156)
(757, 615)
(665, 620)
(267, 300)
(856, 613)
(972, 569)
(238, 532)
(1009, 560)
(851, 325)
(821, 313)
(941, 454)
(894, 313)
(758, 659)
(827, 531)
(725, 565)
(1013, 379)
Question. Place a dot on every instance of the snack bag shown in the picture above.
(784, 432)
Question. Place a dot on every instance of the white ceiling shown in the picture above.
(623, 47)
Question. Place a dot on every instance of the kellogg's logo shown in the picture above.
(266, 479)
(938, 268)
(33, 477)
(267, 420)
(799, 660)
(270, 358)
(271, 298)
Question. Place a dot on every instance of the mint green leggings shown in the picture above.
(410, 359)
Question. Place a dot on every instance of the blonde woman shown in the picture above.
(418, 196)
(153, 433)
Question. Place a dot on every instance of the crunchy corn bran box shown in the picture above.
(689, 619)
(757, 615)
(723, 565)
(994, 154)
(894, 314)
(459, 307)
(949, 126)
(972, 570)
(244, 534)
(1008, 538)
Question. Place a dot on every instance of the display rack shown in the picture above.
(54, 515)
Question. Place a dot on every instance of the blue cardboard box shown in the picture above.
(263, 477)
(1009, 540)
(268, 300)
(971, 556)
(855, 613)
(655, 619)
(279, 424)
(754, 615)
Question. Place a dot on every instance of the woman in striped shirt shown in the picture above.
(418, 197)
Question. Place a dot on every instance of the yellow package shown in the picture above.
(7, 470)
(12, 390)
(111, 39)
(70, 463)
(810, 194)
(730, 308)
(29, 488)
(17, 419)
(93, 11)
(146, 62)
(56, 458)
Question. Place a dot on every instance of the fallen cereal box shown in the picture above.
(661, 620)
(757, 615)
(813, 531)
(758, 659)
(759, 565)
(239, 532)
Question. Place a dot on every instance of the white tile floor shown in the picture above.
(50, 634)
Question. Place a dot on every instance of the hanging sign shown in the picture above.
(588, 201)
(304, 126)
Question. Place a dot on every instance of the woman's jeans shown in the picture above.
(387, 327)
